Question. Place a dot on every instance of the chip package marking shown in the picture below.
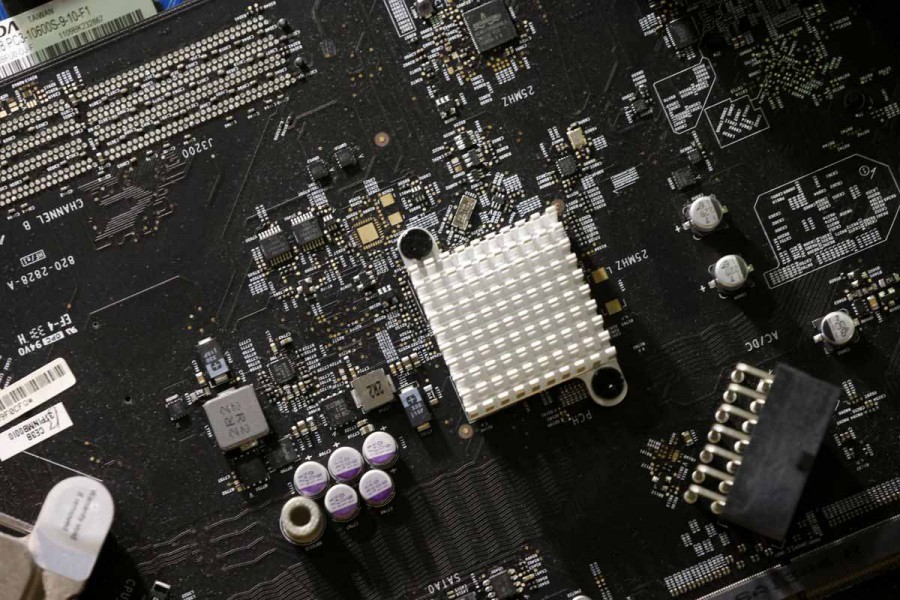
(307, 232)
(282, 370)
(337, 411)
(490, 25)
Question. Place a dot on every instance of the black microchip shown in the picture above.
(567, 166)
(308, 232)
(318, 170)
(345, 157)
(490, 25)
(694, 157)
(338, 411)
(176, 408)
(283, 455)
(860, 307)
(641, 108)
(251, 471)
(365, 281)
(683, 178)
(472, 158)
(681, 33)
(282, 370)
(275, 248)
(784, 443)
(447, 107)
(390, 297)
(416, 408)
(503, 585)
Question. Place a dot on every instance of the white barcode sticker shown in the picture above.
(35, 389)
(41, 34)
(33, 431)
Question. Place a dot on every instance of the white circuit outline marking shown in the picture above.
(703, 61)
(733, 101)
(807, 174)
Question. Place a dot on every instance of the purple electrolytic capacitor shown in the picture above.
(376, 488)
(311, 479)
(346, 464)
(380, 449)
(342, 502)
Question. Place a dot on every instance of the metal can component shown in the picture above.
(837, 328)
(342, 503)
(311, 479)
(730, 273)
(302, 521)
(704, 214)
(380, 449)
(376, 488)
(345, 464)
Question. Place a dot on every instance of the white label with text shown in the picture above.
(33, 431)
(35, 389)
(44, 33)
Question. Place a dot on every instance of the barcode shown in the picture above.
(25, 389)
(74, 42)
(15, 66)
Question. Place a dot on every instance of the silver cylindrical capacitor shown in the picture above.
(704, 214)
(342, 503)
(311, 479)
(302, 521)
(380, 449)
(731, 273)
(837, 328)
(346, 464)
(376, 488)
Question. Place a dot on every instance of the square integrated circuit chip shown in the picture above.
(567, 166)
(337, 411)
(308, 232)
(283, 455)
(490, 25)
(681, 33)
(503, 586)
(282, 371)
(275, 248)
(251, 471)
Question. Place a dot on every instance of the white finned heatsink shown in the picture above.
(513, 315)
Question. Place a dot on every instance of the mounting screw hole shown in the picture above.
(608, 383)
(416, 243)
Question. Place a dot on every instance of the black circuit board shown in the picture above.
(148, 204)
